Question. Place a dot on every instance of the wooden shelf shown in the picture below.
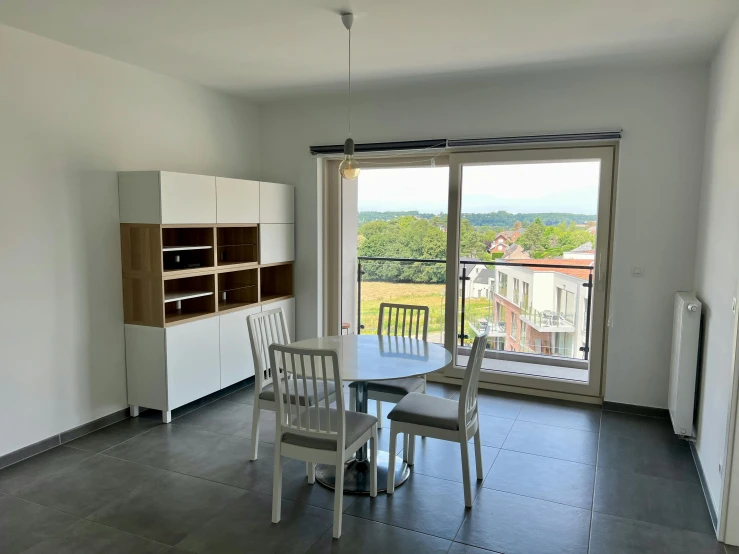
(179, 248)
(224, 267)
(276, 282)
(238, 288)
(266, 299)
(184, 295)
(181, 317)
(237, 245)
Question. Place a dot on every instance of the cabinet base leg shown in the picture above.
(166, 417)
(133, 411)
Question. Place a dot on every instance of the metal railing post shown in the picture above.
(359, 296)
(586, 349)
(464, 279)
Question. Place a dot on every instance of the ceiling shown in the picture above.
(262, 48)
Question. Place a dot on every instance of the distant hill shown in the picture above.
(501, 219)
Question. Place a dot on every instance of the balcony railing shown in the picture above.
(474, 312)
(547, 318)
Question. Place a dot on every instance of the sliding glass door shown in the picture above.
(513, 241)
(528, 245)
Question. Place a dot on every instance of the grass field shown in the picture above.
(433, 296)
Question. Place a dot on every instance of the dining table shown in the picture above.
(367, 358)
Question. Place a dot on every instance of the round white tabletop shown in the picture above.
(365, 358)
(373, 357)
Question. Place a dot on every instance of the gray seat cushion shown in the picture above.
(356, 424)
(431, 411)
(401, 387)
(268, 392)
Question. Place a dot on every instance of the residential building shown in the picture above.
(503, 240)
(542, 310)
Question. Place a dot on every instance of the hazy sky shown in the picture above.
(517, 188)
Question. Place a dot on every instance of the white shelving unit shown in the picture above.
(199, 254)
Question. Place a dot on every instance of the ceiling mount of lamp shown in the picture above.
(349, 167)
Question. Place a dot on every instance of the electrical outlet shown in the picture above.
(637, 271)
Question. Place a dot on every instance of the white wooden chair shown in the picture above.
(444, 419)
(268, 328)
(397, 320)
(316, 434)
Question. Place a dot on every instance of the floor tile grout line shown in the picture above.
(671, 528)
(477, 494)
(558, 426)
(549, 457)
(595, 482)
(560, 503)
(12, 493)
(79, 519)
(399, 526)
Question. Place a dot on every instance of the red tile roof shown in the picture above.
(571, 271)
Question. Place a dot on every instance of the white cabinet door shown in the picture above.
(276, 203)
(237, 362)
(193, 366)
(288, 307)
(187, 198)
(276, 243)
(237, 200)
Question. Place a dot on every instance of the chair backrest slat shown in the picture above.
(266, 328)
(395, 323)
(468, 394)
(305, 370)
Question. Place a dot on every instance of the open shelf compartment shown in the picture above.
(276, 282)
(238, 289)
(187, 248)
(237, 245)
(189, 297)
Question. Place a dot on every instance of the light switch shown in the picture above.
(637, 271)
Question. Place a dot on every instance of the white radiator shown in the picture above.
(684, 362)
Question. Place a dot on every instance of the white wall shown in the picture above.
(662, 111)
(69, 120)
(716, 267)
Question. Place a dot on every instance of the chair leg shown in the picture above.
(406, 446)
(338, 496)
(379, 414)
(277, 486)
(411, 449)
(255, 430)
(352, 399)
(391, 460)
(373, 463)
(466, 473)
(310, 470)
(478, 455)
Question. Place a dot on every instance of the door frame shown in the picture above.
(608, 156)
(333, 218)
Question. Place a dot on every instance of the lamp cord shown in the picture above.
(349, 115)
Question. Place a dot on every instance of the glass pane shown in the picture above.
(401, 213)
(527, 250)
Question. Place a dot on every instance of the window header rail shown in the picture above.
(447, 143)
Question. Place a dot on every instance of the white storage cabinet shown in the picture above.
(178, 352)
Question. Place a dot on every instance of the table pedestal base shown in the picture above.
(357, 474)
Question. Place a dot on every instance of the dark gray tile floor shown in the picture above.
(558, 477)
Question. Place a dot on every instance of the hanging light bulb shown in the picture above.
(349, 167)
